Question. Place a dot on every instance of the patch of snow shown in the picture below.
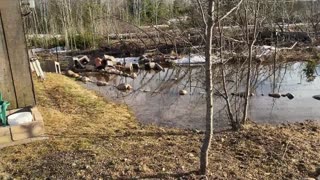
(36, 50)
(265, 51)
(193, 59)
(59, 49)
(128, 60)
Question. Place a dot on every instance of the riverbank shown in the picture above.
(92, 138)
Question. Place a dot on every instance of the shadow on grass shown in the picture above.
(133, 134)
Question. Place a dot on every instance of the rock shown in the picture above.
(309, 178)
(191, 155)
(124, 87)
(183, 92)
(128, 67)
(133, 75)
(275, 95)
(175, 79)
(69, 73)
(290, 96)
(149, 66)
(242, 94)
(110, 64)
(72, 74)
(158, 67)
(109, 58)
(85, 79)
(317, 97)
(87, 167)
(101, 83)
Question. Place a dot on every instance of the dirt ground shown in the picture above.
(92, 138)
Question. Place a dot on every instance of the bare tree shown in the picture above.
(209, 89)
(250, 42)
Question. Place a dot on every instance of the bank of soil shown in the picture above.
(92, 138)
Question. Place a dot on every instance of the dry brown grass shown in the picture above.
(92, 138)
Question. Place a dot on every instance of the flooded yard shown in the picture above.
(155, 96)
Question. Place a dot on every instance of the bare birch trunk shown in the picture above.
(250, 46)
(209, 86)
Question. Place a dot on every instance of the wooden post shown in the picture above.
(15, 76)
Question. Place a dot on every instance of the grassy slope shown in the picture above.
(93, 138)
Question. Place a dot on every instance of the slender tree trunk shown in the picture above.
(209, 86)
(250, 44)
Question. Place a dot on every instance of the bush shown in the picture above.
(45, 42)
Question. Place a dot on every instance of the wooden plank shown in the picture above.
(28, 130)
(6, 81)
(5, 135)
(17, 52)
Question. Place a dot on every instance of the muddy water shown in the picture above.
(155, 97)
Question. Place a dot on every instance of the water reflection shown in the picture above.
(155, 97)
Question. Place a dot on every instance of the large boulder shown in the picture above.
(72, 74)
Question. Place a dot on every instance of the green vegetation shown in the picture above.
(310, 69)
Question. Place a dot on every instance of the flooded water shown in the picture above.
(155, 97)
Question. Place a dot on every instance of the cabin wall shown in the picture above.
(15, 77)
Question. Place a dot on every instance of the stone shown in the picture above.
(72, 74)
(242, 94)
(183, 92)
(109, 58)
(191, 155)
(275, 95)
(124, 87)
(290, 96)
(128, 67)
(317, 97)
(85, 79)
(101, 83)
